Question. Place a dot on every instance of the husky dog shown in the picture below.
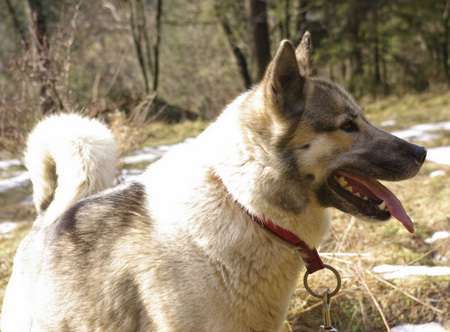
(178, 250)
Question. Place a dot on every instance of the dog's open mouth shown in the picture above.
(369, 197)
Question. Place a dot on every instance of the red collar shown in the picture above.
(309, 255)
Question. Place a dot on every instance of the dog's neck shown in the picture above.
(260, 188)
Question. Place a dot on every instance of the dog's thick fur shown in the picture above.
(175, 251)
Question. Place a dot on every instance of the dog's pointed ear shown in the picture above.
(283, 82)
(304, 55)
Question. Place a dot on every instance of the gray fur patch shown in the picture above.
(118, 205)
(102, 235)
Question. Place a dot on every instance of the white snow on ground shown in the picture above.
(147, 154)
(130, 174)
(423, 132)
(419, 135)
(139, 158)
(15, 182)
(439, 155)
(437, 236)
(150, 154)
(427, 327)
(388, 123)
(437, 173)
(5, 164)
(7, 227)
(164, 148)
(407, 271)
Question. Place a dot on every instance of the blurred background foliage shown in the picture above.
(176, 59)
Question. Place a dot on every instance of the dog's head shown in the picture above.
(323, 148)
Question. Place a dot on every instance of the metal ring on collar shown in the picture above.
(334, 292)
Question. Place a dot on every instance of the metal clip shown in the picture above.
(326, 298)
(326, 313)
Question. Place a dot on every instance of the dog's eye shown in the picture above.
(349, 126)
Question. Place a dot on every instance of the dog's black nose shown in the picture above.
(420, 153)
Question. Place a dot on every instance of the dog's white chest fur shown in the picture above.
(235, 275)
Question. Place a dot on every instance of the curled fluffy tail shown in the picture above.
(68, 157)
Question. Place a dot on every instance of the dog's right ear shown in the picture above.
(304, 55)
(283, 82)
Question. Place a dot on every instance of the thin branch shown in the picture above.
(145, 37)
(374, 300)
(241, 61)
(137, 42)
(412, 297)
(159, 13)
(17, 25)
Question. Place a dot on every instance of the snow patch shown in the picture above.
(5, 164)
(439, 155)
(140, 158)
(164, 148)
(423, 132)
(7, 227)
(388, 123)
(437, 236)
(413, 134)
(150, 154)
(20, 180)
(406, 271)
(130, 174)
(437, 173)
(427, 327)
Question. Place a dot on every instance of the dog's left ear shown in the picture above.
(284, 83)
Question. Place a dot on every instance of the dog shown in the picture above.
(182, 248)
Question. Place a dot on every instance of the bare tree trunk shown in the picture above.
(446, 41)
(159, 13)
(39, 24)
(284, 18)
(40, 44)
(239, 56)
(260, 31)
(356, 59)
(287, 19)
(302, 9)
(376, 52)
(386, 89)
(137, 30)
(147, 54)
(18, 26)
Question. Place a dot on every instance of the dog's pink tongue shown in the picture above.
(393, 204)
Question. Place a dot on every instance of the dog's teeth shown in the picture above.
(382, 206)
(365, 198)
(342, 181)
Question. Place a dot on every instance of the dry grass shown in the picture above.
(410, 109)
(132, 136)
(366, 302)
(414, 300)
